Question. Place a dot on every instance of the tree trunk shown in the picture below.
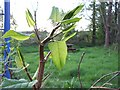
(118, 25)
(94, 26)
(107, 25)
(116, 21)
(116, 11)
(103, 18)
(118, 36)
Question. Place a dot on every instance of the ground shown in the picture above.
(96, 62)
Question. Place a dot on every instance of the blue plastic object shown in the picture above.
(6, 28)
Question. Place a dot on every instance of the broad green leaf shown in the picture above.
(67, 38)
(29, 18)
(59, 53)
(68, 21)
(13, 83)
(68, 29)
(15, 35)
(19, 59)
(23, 85)
(19, 62)
(73, 12)
(55, 14)
(8, 82)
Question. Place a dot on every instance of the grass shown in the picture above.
(96, 62)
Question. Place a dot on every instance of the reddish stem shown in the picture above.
(41, 66)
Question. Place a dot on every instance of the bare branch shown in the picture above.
(28, 74)
(53, 31)
(81, 59)
(35, 27)
(46, 77)
(104, 77)
(47, 56)
(111, 79)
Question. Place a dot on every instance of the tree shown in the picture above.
(56, 47)
(94, 24)
(118, 27)
(116, 11)
(107, 24)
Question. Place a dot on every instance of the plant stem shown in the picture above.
(42, 59)
(50, 35)
(47, 56)
(28, 74)
(79, 69)
(41, 66)
(26, 70)
(35, 27)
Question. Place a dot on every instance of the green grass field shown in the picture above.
(96, 62)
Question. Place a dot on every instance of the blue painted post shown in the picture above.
(6, 28)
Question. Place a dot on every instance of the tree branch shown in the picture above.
(26, 70)
(81, 59)
(111, 79)
(47, 56)
(104, 77)
(28, 74)
(53, 31)
(35, 27)
(50, 35)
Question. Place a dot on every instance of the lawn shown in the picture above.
(96, 62)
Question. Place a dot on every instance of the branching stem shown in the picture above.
(42, 58)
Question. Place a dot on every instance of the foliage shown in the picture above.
(56, 47)
(59, 58)
(73, 12)
(73, 20)
(16, 35)
(56, 15)
(29, 18)
(12, 83)
(105, 18)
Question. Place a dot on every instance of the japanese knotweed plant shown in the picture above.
(58, 49)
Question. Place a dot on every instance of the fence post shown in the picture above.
(6, 28)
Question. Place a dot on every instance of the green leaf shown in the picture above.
(8, 82)
(32, 35)
(55, 14)
(59, 53)
(16, 70)
(19, 59)
(67, 38)
(15, 35)
(69, 28)
(29, 18)
(73, 12)
(19, 62)
(68, 21)
(13, 83)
